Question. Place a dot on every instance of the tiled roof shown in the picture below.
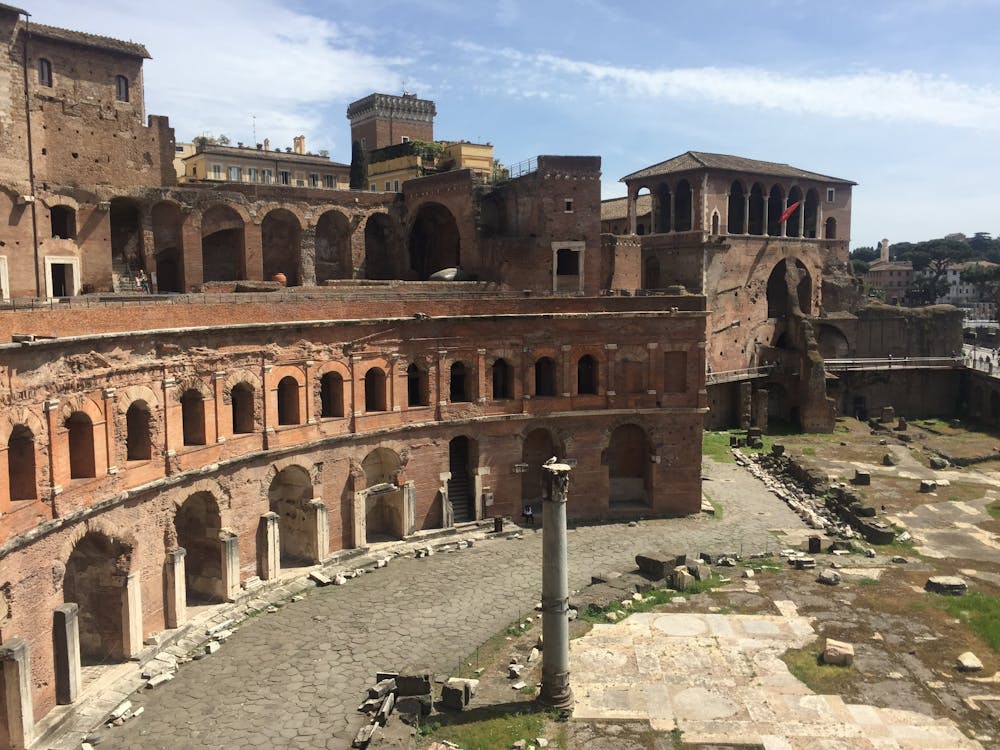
(270, 155)
(696, 160)
(617, 208)
(89, 40)
(12, 9)
(894, 265)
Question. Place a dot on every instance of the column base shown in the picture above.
(561, 699)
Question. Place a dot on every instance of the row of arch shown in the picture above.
(303, 252)
(198, 532)
(752, 209)
(138, 432)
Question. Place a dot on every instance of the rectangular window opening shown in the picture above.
(830, 195)
(568, 206)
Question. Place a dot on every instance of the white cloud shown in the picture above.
(902, 96)
(215, 64)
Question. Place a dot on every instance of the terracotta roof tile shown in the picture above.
(699, 160)
(89, 40)
(617, 208)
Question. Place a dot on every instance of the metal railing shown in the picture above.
(894, 363)
(730, 376)
(523, 167)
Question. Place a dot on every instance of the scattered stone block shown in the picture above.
(838, 653)
(946, 585)
(534, 656)
(803, 563)
(888, 459)
(748, 573)
(382, 716)
(899, 560)
(125, 707)
(415, 704)
(320, 579)
(928, 485)
(681, 579)
(657, 565)
(541, 742)
(862, 478)
(224, 625)
(456, 693)
(160, 679)
(370, 705)
(413, 682)
(611, 616)
(518, 685)
(938, 463)
(211, 647)
(968, 662)
(514, 671)
(604, 577)
(900, 425)
(777, 449)
(364, 736)
(339, 580)
(815, 545)
(829, 577)
(888, 415)
(700, 571)
(382, 688)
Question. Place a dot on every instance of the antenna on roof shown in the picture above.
(253, 119)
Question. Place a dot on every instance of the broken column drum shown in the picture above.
(555, 692)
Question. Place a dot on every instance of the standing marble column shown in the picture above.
(555, 692)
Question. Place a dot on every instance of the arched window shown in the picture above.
(652, 273)
(137, 439)
(81, 446)
(21, 464)
(831, 229)
(737, 209)
(545, 377)
(458, 389)
(755, 223)
(288, 401)
(503, 380)
(416, 386)
(193, 417)
(775, 208)
(242, 398)
(331, 395)
(63, 222)
(586, 375)
(715, 223)
(44, 72)
(121, 88)
(683, 207)
(375, 390)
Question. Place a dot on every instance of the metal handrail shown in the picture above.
(888, 363)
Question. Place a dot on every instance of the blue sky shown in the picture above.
(901, 97)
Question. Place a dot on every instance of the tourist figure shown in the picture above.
(529, 515)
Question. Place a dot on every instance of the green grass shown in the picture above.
(489, 733)
(808, 451)
(716, 507)
(869, 582)
(994, 509)
(808, 667)
(652, 599)
(715, 445)
(764, 565)
(979, 611)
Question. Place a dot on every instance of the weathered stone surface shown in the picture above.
(681, 579)
(413, 682)
(456, 693)
(382, 688)
(829, 577)
(968, 662)
(888, 459)
(415, 704)
(657, 565)
(320, 579)
(928, 485)
(946, 585)
(803, 563)
(862, 478)
(938, 463)
(388, 703)
(700, 571)
(838, 653)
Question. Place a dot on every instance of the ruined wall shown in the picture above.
(912, 393)
(934, 331)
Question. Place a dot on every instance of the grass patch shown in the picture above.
(651, 600)
(488, 733)
(715, 445)
(994, 509)
(869, 582)
(764, 565)
(716, 506)
(979, 611)
(808, 451)
(808, 667)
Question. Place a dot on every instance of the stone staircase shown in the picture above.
(460, 496)
(122, 277)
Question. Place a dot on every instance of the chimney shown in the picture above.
(883, 247)
(267, 144)
(299, 144)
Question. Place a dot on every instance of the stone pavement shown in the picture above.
(720, 680)
(294, 678)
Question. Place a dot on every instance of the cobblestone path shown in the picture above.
(293, 679)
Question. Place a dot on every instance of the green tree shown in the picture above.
(865, 254)
(931, 261)
(359, 167)
(986, 280)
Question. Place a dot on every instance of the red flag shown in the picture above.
(789, 211)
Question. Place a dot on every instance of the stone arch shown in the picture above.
(125, 217)
(417, 383)
(756, 219)
(459, 382)
(198, 524)
(287, 392)
(22, 473)
(775, 207)
(383, 498)
(138, 431)
(810, 213)
(463, 460)
(434, 240)
(223, 243)
(375, 389)
(643, 227)
(281, 240)
(502, 379)
(784, 282)
(240, 393)
(830, 229)
(587, 375)
(82, 445)
(289, 495)
(168, 245)
(683, 207)
(793, 222)
(332, 390)
(333, 246)
(628, 458)
(21, 415)
(715, 222)
(378, 262)
(192, 395)
(95, 579)
(661, 215)
(736, 208)
(546, 377)
(833, 344)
